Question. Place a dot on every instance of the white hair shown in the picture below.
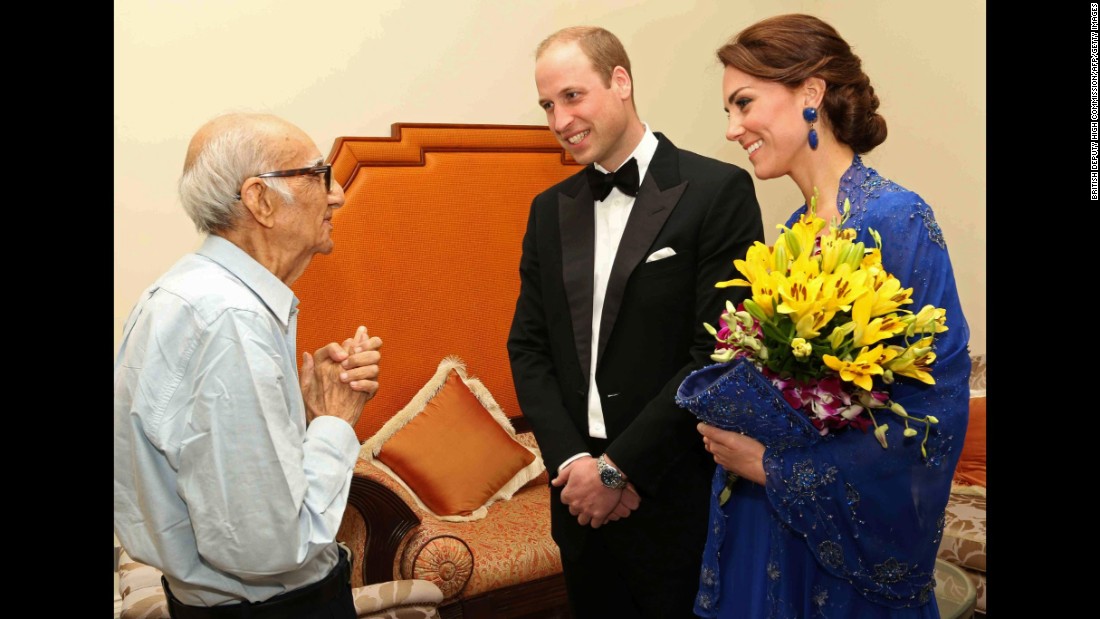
(209, 186)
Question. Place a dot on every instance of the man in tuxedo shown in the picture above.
(617, 279)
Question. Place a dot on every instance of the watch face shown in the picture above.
(610, 477)
(607, 476)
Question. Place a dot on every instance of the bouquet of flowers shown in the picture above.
(825, 324)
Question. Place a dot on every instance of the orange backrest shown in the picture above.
(427, 252)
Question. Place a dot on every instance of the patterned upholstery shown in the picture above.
(398, 599)
(977, 372)
(143, 596)
(964, 537)
(963, 541)
(465, 559)
(965, 520)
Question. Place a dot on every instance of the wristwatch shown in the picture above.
(609, 475)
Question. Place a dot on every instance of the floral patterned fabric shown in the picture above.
(955, 591)
(964, 535)
(964, 521)
(353, 533)
(977, 372)
(143, 596)
(398, 599)
(512, 545)
(964, 531)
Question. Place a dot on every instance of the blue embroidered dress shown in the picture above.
(843, 527)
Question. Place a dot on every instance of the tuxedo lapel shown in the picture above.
(648, 215)
(577, 226)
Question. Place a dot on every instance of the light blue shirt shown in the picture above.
(218, 482)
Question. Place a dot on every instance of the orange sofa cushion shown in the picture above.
(453, 447)
(971, 468)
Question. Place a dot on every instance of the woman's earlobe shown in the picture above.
(815, 91)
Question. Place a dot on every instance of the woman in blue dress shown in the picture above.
(842, 528)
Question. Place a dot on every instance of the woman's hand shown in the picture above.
(737, 453)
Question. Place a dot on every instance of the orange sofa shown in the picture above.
(427, 250)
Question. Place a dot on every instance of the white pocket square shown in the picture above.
(661, 254)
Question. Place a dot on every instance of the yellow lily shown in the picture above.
(800, 348)
(757, 264)
(781, 260)
(842, 288)
(869, 331)
(800, 237)
(839, 333)
(799, 293)
(833, 246)
(809, 326)
(915, 362)
(867, 364)
(852, 255)
(889, 295)
(929, 319)
(872, 259)
(765, 293)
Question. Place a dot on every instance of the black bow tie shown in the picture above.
(625, 178)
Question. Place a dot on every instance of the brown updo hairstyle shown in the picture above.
(791, 48)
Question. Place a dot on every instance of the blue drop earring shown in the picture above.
(810, 114)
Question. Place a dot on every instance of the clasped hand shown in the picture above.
(339, 379)
(737, 453)
(589, 500)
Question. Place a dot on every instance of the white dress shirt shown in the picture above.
(218, 483)
(611, 215)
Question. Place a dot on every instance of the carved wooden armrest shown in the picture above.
(388, 520)
(402, 541)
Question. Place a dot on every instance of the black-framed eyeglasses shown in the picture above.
(321, 169)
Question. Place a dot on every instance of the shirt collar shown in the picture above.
(643, 152)
(278, 297)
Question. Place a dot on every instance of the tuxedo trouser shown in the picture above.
(602, 585)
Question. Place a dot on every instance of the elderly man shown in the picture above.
(231, 473)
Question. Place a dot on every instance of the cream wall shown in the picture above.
(353, 67)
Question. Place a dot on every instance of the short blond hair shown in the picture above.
(602, 48)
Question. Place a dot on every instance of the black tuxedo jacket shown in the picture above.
(651, 337)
